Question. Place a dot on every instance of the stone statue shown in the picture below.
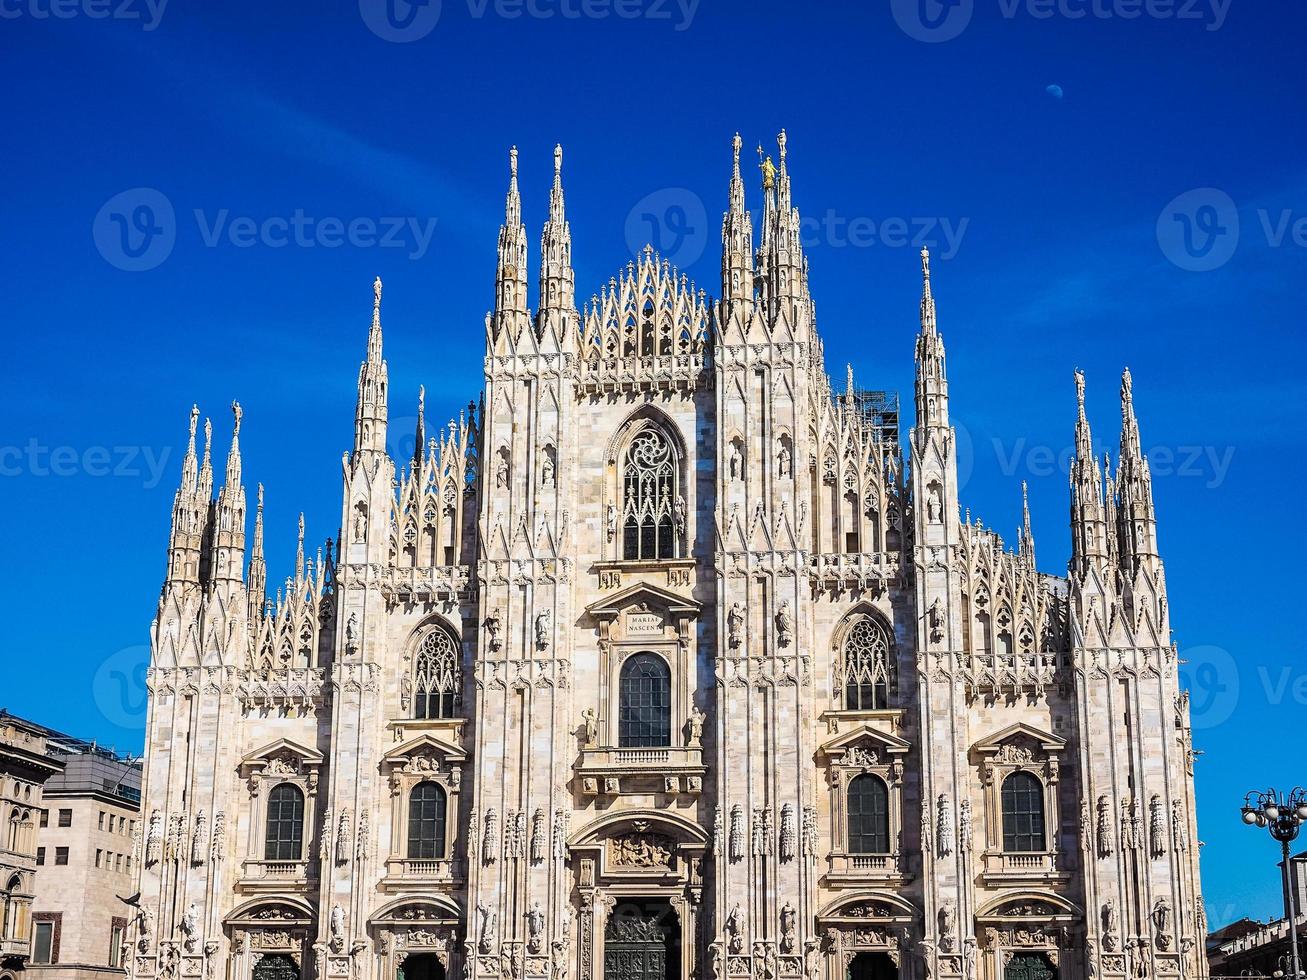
(696, 725)
(337, 922)
(680, 515)
(1109, 925)
(1162, 923)
(542, 630)
(788, 936)
(948, 920)
(591, 723)
(735, 623)
(610, 521)
(191, 927)
(783, 461)
(934, 504)
(784, 623)
(495, 623)
(486, 927)
(736, 462)
(535, 924)
(734, 922)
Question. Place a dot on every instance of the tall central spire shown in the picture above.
(1088, 518)
(556, 278)
(510, 313)
(370, 410)
(737, 238)
(932, 379)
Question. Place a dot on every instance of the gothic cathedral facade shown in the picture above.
(667, 660)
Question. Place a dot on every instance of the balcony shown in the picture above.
(855, 869)
(406, 874)
(14, 947)
(671, 769)
(275, 875)
(1018, 867)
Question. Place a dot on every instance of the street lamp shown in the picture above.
(1282, 814)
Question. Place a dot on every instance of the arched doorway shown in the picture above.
(872, 966)
(642, 941)
(421, 966)
(1029, 966)
(276, 966)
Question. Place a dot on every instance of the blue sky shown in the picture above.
(1049, 150)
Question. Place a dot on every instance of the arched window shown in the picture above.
(653, 510)
(1023, 813)
(645, 709)
(436, 680)
(426, 822)
(868, 815)
(285, 837)
(868, 665)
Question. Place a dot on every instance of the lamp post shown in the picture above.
(1282, 814)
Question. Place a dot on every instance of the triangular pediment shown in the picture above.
(642, 592)
(1015, 733)
(281, 749)
(425, 744)
(882, 741)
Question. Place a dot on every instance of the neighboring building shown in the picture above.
(669, 661)
(86, 856)
(26, 764)
(1248, 948)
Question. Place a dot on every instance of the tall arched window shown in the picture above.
(285, 836)
(653, 510)
(436, 680)
(426, 822)
(1023, 813)
(868, 815)
(868, 665)
(645, 702)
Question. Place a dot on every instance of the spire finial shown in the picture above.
(299, 550)
(260, 506)
(848, 388)
(1127, 388)
(736, 143)
(208, 440)
(558, 160)
(512, 162)
(925, 264)
(195, 418)
(238, 414)
(1080, 391)
(780, 145)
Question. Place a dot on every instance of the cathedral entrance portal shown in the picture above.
(276, 966)
(642, 942)
(1029, 966)
(872, 966)
(421, 966)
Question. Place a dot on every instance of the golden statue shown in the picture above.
(768, 171)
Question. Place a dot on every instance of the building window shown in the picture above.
(868, 815)
(99, 857)
(43, 948)
(645, 703)
(45, 818)
(436, 680)
(117, 933)
(65, 818)
(426, 822)
(102, 820)
(285, 836)
(653, 510)
(40, 856)
(1023, 813)
(868, 665)
(61, 855)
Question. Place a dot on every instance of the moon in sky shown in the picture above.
(1055, 91)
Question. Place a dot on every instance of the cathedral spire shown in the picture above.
(420, 436)
(556, 277)
(258, 574)
(1088, 523)
(205, 487)
(190, 511)
(190, 468)
(299, 550)
(932, 379)
(510, 276)
(370, 409)
(1135, 516)
(227, 547)
(737, 239)
(1026, 539)
(782, 265)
